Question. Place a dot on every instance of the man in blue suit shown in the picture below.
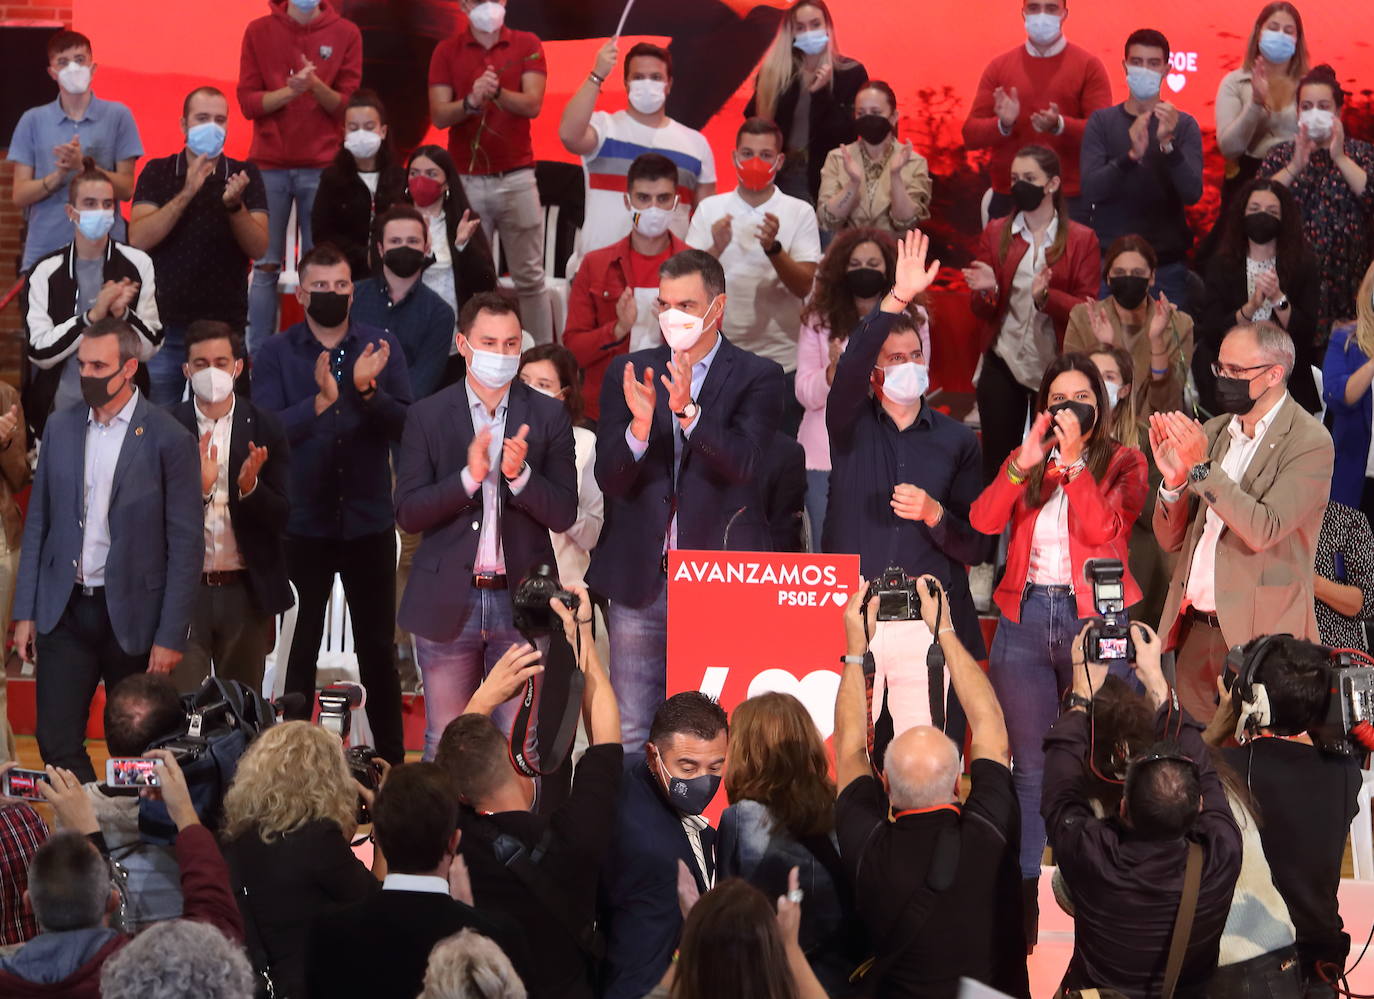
(486, 471)
(113, 544)
(679, 456)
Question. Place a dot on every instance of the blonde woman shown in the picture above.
(1346, 376)
(468, 965)
(288, 818)
(808, 89)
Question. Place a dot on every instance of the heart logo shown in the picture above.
(1176, 81)
(816, 690)
(841, 598)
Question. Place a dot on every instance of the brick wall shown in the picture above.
(11, 323)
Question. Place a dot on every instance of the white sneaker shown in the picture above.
(980, 579)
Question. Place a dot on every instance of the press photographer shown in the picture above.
(1299, 759)
(1173, 847)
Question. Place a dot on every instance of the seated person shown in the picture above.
(178, 957)
(1344, 579)
(467, 957)
(22, 832)
(937, 883)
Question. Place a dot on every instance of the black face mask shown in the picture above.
(866, 282)
(1261, 227)
(96, 390)
(1087, 415)
(1128, 290)
(328, 308)
(404, 261)
(872, 128)
(1027, 196)
(1233, 395)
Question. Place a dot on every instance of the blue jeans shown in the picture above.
(167, 383)
(452, 671)
(283, 187)
(817, 501)
(639, 665)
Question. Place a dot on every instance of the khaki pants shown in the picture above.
(1201, 658)
(509, 204)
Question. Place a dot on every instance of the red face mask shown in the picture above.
(425, 190)
(755, 174)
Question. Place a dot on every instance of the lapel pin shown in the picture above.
(138, 431)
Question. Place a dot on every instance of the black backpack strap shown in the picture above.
(252, 939)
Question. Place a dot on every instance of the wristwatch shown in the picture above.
(1075, 700)
(1200, 471)
(1281, 304)
(689, 411)
(773, 248)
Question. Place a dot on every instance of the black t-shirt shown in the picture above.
(975, 928)
(580, 833)
(202, 273)
(1306, 803)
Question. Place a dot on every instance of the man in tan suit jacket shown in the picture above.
(1242, 500)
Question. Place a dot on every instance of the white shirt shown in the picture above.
(221, 547)
(426, 883)
(104, 441)
(762, 316)
(438, 276)
(1026, 341)
(572, 548)
(1050, 52)
(1050, 564)
(369, 179)
(490, 556)
(1200, 593)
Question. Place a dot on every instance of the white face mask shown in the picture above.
(488, 16)
(1319, 123)
(651, 222)
(362, 143)
(1042, 29)
(681, 330)
(905, 383)
(493, 370)
(1113, 391)
(212, 385)
(647, 96)
(74, 78)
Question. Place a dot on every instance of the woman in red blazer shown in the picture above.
(1032, 269)
(1070, 493)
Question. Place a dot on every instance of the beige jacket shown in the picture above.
(1265, 128)
(14, 469)
(1151, 396)
(874, 209)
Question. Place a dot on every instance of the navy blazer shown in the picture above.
(719, 486)
(431, 500)
(157, 542)
(639, 909)
(258, 520)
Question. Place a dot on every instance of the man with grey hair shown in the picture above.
(177, 959)
(938, 883)
(1242, 499)
(467, 965)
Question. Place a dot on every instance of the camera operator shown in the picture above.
(937, 883)
(1134, 862)
(1307, 796)
(540, 870)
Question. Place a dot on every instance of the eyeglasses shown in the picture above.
(1230, 371)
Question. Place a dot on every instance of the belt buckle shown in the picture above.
(88, 591)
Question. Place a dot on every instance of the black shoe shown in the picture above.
(1030, 911)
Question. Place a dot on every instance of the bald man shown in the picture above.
(937, 883)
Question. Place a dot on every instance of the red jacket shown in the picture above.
(301, 134)
(1076, 275)
(1100, 519)
(590, 330)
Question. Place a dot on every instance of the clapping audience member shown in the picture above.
(1261, 270)
(1042, 93)
(294, 92)
(944, 873)
(1346, 376)
(387, 936)
(73, 899)
(660, 837)
(1241, 499)
(807, 87)
(1142, 166)
(91, 278)
(362, 182)
(1173, 804)
(288, 818)
(340, 390)
(1328, 174)
(1030, 272)
(1344, 580)
(858, 267)
(176, 960)
(540, 871)
(1156, 335)
(609, 143)
(781, 819)
(875, 181)
(52, 141)
(470, 966)
(22, 832)
(1071, 493)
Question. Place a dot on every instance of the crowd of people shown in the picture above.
(744, 369)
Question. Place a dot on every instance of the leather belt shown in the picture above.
(223, 577)
(1204, 617)
(89, 591)
(488, 581)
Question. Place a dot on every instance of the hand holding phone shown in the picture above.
(23, 784)
(133, 772)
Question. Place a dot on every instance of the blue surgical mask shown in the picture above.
(305, 6)
(1277, 46)
(493, 370)
(812, 42)
(1042, 29)
(95, 223)
(1143, 83)
(205, 139)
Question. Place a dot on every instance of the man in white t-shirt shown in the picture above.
(609, 143)
(769, 244)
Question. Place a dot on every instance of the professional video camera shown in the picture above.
(1348, 728)
(1109, 638)
(530, 610)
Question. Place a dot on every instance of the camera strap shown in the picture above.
(529, 754)
(1183, 922)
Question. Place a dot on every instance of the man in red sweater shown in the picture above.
(299, 66)
(1040, 93)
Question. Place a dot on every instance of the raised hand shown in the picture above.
(1336, 144)
(1032, 450)
(1006, 104)
(820, 77)
(901, 156)
(1046, 120)
(324, 381)
(1069, 433)
(768, 230)
(980, 277)
(109, 293)
(789, 910)
(626, 313)
(1259, 83)
(1170, 466)
(1101, 325)
(852, 170)
(369, 365)
(1267, 286)
(640, 398)
(252, 465)
(479, 455)
(1188, 438)
(1303, 145)
(913, 275)
(514, 450)
(1167, 117)
(1159, 322)
(124, 300)
(606, 58)
(914, 503)
(467, 225)
(506, 678)
(1040, 286)
(722, 230)
(209, 464)
(9, 423)
(678, 382)
(233, 190)
(931, 606)
(198, 170)
(1139, 134)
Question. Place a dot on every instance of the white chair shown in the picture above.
(288, 280)
(558, 288)
(1361, 835)
(274, 666)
